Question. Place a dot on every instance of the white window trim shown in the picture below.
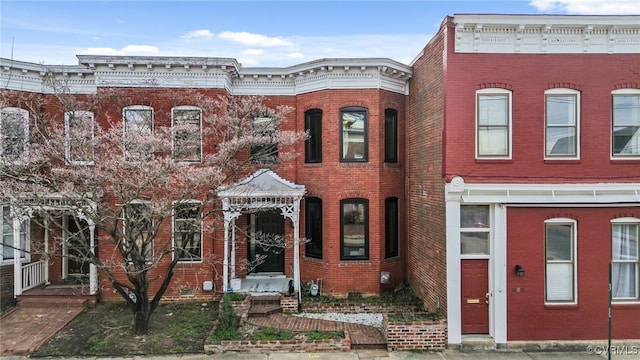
(27, 243)
(634, 221)
(25, 115)
(574, 249)
(125, 225)
(173, 233)
(186, 107)
(488, 230)
(563, 91)
(136, 107)
(611, 155)
(495, 91)
(67, 137)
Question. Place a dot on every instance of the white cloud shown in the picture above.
(253, 52)
(198, 34)
(127, 50)
(251, 39)
(584, 7)
(295, 55)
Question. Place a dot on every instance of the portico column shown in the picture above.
(453, 196)
(93, 270)
(46, 250)
(296, 248)
(229, 220)
(293, 212)
(17, 266)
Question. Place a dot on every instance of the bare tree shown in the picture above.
(128, 176)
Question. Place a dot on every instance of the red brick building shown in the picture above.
(524, 173)
(498, 174)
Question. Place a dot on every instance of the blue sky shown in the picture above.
(256, 33)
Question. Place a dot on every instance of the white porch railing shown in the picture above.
(33, 275)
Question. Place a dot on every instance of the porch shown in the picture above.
(268, 199)
(61, 230)
(262, 283)
(66, 292)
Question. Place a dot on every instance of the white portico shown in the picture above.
(264, 190)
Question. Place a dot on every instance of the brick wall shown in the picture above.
(528, 76)
(528, 317)
(415, 335)
(333, 181)
(6, 285)
(373, 180)
(426, 246)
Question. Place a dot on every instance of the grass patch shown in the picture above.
(271, 333)
(107, 330)
(232, 296)
(410, 317)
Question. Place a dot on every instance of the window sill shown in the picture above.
(494, 161)
(625, 160)
(562, 161)
(313, 258)
(344, 262)
(313, 165)
(549, 306)
(395, 165)
(392, 259)
(632, 304)
(360, 164)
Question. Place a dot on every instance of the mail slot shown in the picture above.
(473, 301)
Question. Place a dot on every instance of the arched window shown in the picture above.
(391, 227)
(313, 145)
(493, 123)
(313, 227)
(354, 229)
(353, 134)
(390, 136)
(562, 123)
(186, 122)
(560, 261)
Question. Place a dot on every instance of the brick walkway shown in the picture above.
(25, 329)
(361, 335)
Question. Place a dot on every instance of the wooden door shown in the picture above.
(269, 223)
(78, 245)
(475, 299)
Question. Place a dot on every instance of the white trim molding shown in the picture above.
(597, 193)
(547, 34)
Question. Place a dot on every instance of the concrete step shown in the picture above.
(475, 343)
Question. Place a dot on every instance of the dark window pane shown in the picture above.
(313, 227)
(353, 135)
(313, 145)
(391, 227)
(354, 230)
(391, 136)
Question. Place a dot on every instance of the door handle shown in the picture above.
(487, 298)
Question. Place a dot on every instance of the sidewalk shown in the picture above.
(377, 355)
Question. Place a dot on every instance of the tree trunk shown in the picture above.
(142, 315)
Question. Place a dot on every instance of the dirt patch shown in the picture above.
(106, 330)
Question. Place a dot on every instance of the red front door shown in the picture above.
(475, 303)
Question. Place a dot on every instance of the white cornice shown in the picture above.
(542, 34)
(25, 76)
(220, 73)
(600, 193)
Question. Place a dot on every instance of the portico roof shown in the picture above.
(264, 188)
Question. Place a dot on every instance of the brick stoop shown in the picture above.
(264, 305)
(55, 301)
